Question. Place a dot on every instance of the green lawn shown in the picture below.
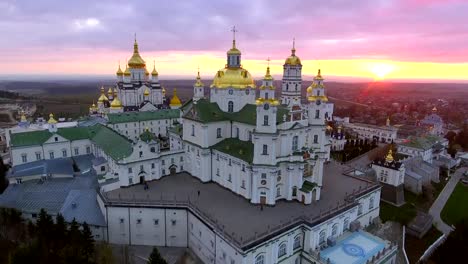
(403, 214)
(456, 208)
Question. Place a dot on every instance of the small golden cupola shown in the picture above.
(293, 59)
(119, 71)
(116, 103)
(23, 116)
(198, 82)
(136, 61)
(154, 72)
(146, 92)
(52, 119)
(127, 72)
(389, 157)
(316, 91)
(109, 92)
(103, 97)
(175, 101)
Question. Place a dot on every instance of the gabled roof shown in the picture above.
(127, 117)
(205, 112)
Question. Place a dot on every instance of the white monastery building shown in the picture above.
(239, 176)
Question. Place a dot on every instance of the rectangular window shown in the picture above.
(218, 132)
(163, 162)
(138, 221)
(156, 221)
(38, 156)
(142, 168)
(64, 153)
(130, 170)
(317, 113)
(51, 155)
(24, 158)
(243, 167)
(130, 180)
(163, 172)
(152, 165)
(217, 171)
(181, 159)
(77, 151)
(265, 120)
(264, 175)
(243, 184)
(88, 150)
(265, 150)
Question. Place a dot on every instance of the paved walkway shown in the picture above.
(443, 197)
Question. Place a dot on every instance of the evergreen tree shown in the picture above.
(87, 242)
(155, 257)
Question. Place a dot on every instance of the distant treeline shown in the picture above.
(11, 95)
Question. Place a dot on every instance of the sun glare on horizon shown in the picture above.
(381, 70)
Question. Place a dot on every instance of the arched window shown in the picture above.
(282, 250)
(315, 139)
(265, 120)
(230, 106)
(297, 242)
(260, 259)
(371, 203)
(334, 230)
(322, 238)
(295, 140)
(287, 86)
(266, 95)
(346, 224)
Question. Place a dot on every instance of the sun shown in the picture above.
(381, 70)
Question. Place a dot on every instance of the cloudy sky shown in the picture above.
(391, 39)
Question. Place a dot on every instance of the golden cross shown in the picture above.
(234, 30)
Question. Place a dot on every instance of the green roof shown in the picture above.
(424, 142)
(112, 143)
(178, 129)
(29, 138)
(308, 186)
(237, 148)
(206, 112)
(127, 117)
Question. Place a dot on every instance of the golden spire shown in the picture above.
(198, 83)
(136, 61)
(319, 75)
(389, 157)
(119, 71)
(146, 92)
(52, 119)
(103, 97)
(109, 92)
(268, 75)
(175, 101)
(234, 50)
(293, 50)
(154, 72)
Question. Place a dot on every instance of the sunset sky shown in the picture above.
(361, 39)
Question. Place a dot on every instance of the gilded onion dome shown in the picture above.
(154, 72)
(109, 92)
(103, 97)
(93, 107)
(293, 59)
(389, 157)
(234, 50)
(267, 77)
(23, 116)
(233, 77)
(116, 103)
(136, 61)
(175, 101)
(146, 92)
(146, 72)
(52, 119)
(198, 82)
(119, 71)
(127, 71)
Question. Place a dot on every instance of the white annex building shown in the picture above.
(239, 176)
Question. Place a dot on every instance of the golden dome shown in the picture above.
(109, 92)
(268, 76)
(271, 101)
(136, 61)
(198, 83)
(127, 72)
(116, 103)
(146, 72)
(52, 119)
(154, 72)
(146, 92)
(119, 71)
(234, 50)
(175, 101)
(103, 97)
(309, 89)
(23, 116)
(293, 59)
(164, 91)
(233, 77)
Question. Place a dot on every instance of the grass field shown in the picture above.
(456, 208)
(415, 247)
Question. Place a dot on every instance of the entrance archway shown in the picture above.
(262, 199)
(173, 169)
(142, 179)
